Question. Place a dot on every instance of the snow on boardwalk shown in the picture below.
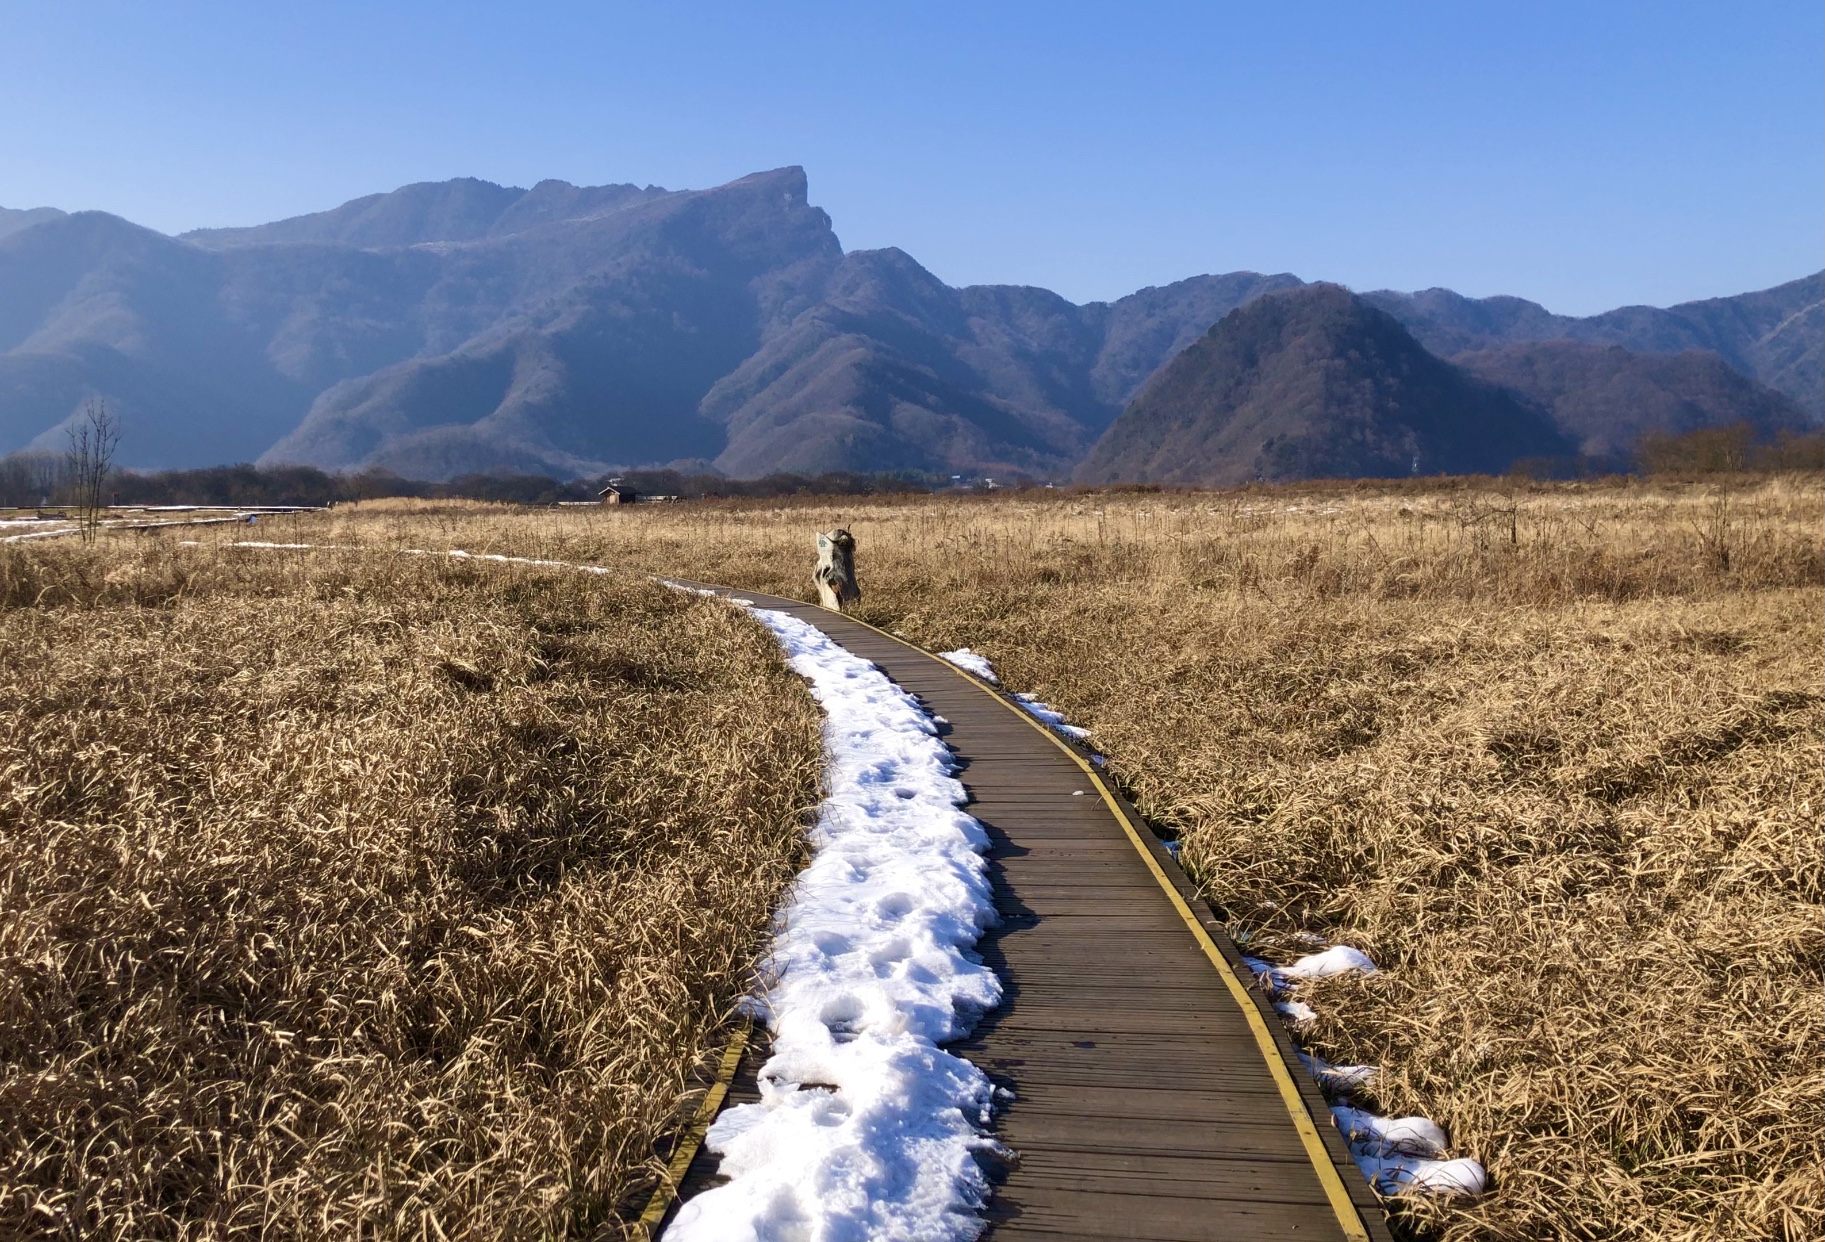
(865, 1129)
(1143, 1093)
(1151, 1092)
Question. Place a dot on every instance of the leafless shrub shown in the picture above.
(88, 463)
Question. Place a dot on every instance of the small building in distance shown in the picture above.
(618, 493)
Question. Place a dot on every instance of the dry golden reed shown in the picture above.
(346, 895)
(1550, 753)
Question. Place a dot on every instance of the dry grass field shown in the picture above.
(1550, 753)
(348, 896)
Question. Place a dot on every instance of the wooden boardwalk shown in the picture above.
(1156, 1095)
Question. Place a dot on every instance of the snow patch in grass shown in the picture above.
(865, 1127)
(1395, 1154)
(1052, 716)
(1342, 1079)
(1339, 959)
(972, 662)
(1403, 1153)
(41, 534)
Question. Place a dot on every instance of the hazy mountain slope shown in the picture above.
(1605, 398)
(12, 219)
(1144, 330)
(94, 306)
(1776, 336)
(461, 210)
(893, 369)
(665, 297)
(461, 325)
(615, 325)
(1313, 383)
(892, 366)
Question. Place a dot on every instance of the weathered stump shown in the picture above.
(835, 572)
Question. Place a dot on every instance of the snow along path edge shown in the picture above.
(866, 1129)
(1393, 1154)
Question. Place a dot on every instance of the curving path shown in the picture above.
(1156, 1095)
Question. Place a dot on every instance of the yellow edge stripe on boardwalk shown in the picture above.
(667, 1189)
(1339, 1195)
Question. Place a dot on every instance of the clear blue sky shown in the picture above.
(1585, 155)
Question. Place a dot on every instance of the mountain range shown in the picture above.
(461, 326)
(1319, 382)
(1315, 383)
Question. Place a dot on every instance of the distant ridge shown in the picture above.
(12, 219)
(894, 369)
(1314, 383)
(434, 211)
(461, 326)
(1605, 398)
(1776, 336)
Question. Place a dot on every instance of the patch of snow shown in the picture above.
(1337, 960)
(1296, 1012)
(1275, 981)
(972, 662)
(1407, 1136)
(866, 1128)
(1051, 716)
(1398, 1154)
(1403, 1153)
(1339, 1079)
(40, 534)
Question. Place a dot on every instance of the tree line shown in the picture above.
(50, 479)
(83, 477)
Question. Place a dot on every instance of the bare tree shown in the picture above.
(88, 463)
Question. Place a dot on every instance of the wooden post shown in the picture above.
(835, 572)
